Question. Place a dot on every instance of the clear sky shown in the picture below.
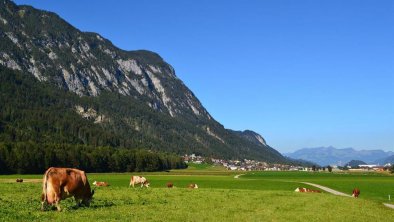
(300, 73)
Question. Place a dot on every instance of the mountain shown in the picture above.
(63, 86)
(355, 163)
(330, 155)
(386, 160)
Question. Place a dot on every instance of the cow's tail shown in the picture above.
(44, 197)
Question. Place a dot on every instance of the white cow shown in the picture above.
(139, 180)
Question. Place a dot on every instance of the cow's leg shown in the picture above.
(57, 200)
(57, 204)
(43, 200)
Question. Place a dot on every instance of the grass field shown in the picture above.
(373, 186)
(259, 196)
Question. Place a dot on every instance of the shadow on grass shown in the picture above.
(67, 207)
(101, 204)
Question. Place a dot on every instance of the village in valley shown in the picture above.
(254, 165)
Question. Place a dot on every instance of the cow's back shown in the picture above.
(137, 179)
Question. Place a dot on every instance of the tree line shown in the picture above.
(30, 157)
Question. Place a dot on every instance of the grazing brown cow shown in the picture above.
(139, 180)
(170, 185)
(100, 184)
(306, 190)
(356, 192)
(61, 183)
(19, 180)
(192, 186)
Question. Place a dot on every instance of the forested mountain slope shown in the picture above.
(63, 86)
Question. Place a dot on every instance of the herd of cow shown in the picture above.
(61, 183)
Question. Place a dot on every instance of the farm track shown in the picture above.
(389, 205)
(237, 176)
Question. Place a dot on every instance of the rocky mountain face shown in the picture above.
(44, 45)
(331, 155)
(133, 95)
(252, 137)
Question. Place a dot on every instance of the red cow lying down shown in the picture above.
(306, 190)
(170, 185)
(100, 184)
(356, 192)
(61, 183)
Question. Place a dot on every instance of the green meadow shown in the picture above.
(255, 196)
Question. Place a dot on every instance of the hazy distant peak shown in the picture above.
(332, 155)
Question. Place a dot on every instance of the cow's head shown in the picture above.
(146, 183)
(88, 198)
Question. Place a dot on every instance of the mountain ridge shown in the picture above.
(333, 156)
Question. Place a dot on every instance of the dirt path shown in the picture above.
(237, 176)
(329, 190)
(389, 205)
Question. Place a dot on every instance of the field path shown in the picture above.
(237, 176)
(389, 205)
(335, 192)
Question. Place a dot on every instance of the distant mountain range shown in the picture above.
(333, 156)
(389, 159)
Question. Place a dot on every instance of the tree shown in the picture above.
(329, 168)
(392, 169)
(313, 168)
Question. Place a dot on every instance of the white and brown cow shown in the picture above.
(192, 186)
(61, 183)
(139, 180)
(100, 184)
(306, 190)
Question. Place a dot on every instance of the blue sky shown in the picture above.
(300, 73)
